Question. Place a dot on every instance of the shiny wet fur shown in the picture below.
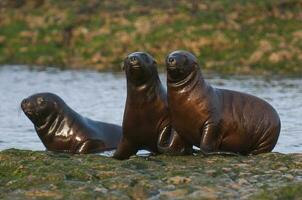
(217, 120)
(146, 122)
(61, 129)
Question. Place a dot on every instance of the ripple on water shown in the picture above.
(101, 96)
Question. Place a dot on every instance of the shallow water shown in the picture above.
(101, 96)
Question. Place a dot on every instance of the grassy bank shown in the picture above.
(41, 175)
(228, 36)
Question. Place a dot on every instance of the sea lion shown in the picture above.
(61, 129)
(217, 120)
(146, 122)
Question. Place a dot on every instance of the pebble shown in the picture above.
(205, 193)
(289, 177)
(173, 194)
(242, 181)
(283, 169)
(102, 190)
(178, 180)
(224, 169)
(210, 172)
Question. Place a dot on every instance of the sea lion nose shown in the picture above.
(133, 60)
(25, 103)
(171, 61)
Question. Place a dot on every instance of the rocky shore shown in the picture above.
(45, 175)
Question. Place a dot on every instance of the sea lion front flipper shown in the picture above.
(210, 141)
(164, 139)
(209, 137)
(90, 146)
(124, 150)
(169, 142)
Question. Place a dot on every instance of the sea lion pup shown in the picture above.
(146, 122)
(61, 129)
(217, 120)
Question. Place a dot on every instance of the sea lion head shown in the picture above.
(140, 68)
(180, 64)
(40, 107)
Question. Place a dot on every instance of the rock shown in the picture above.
(44, 175)
(289, 177)
(242, 181)
(210, 172)
(178, 180)
(2, 39)
(224, 169)
(205, 193)
(175, 194)
(102, 190)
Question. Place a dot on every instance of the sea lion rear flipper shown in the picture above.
(124, 150)
(91, 146)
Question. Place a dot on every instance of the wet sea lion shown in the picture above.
(61, 129)
(146, 122)
(217, 120)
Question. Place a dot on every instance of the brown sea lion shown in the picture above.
(217, 120)
(146, 122)
(61, 129)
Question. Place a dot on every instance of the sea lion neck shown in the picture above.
(53, 119)
(147, 91)
(46, 124)
(195, 77)
(143, 88)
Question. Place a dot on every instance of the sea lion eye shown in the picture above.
(172, 61)
(40, 100)
(133, 60)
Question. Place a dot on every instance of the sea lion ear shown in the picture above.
(55, 104)
(123, 63)
(187, 60)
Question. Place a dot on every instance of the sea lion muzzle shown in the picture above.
(27, 106)
(133, 60)
(171, 62)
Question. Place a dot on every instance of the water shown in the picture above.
(101, 96)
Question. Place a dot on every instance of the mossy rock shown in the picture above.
(45, 175)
